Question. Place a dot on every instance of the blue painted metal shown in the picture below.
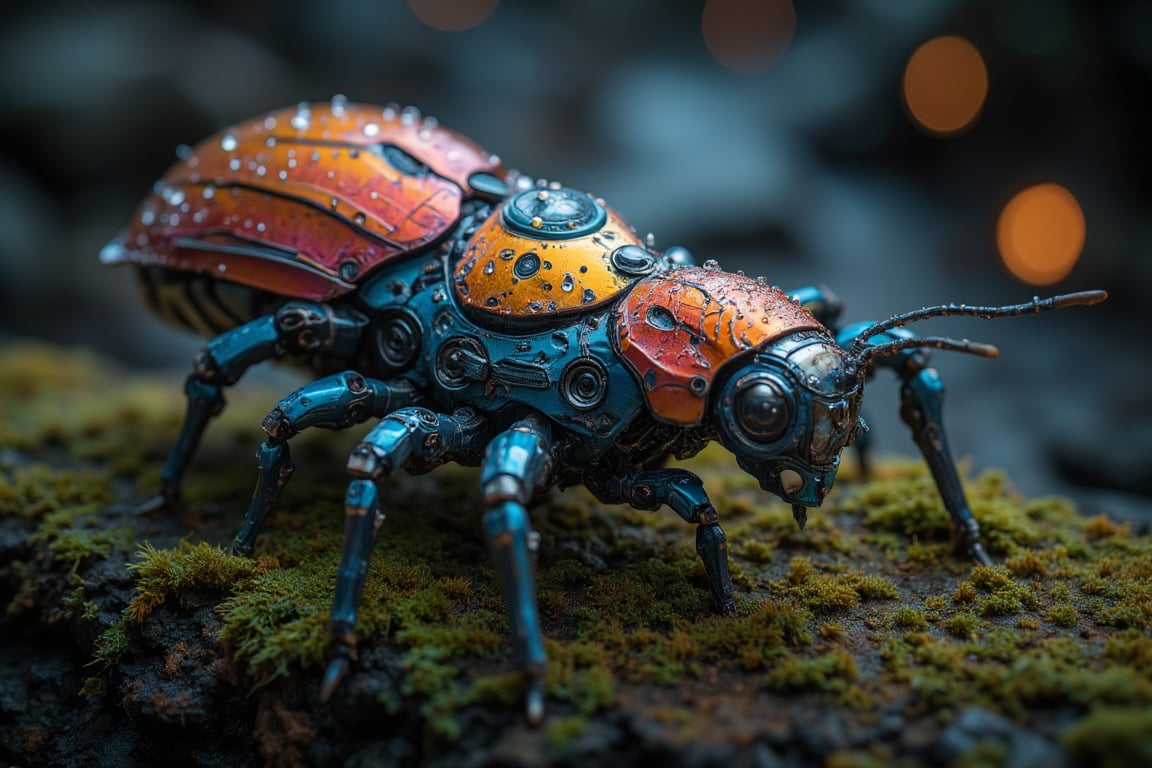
(547, 398)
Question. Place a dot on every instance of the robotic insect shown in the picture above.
(482, 317)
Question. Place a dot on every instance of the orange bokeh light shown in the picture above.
(1041, 234)
(748, 36)
(945, 84)
(452, 15)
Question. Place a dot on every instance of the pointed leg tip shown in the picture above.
(980, 555)
(534, 703)
(160, 501)
(337, 669)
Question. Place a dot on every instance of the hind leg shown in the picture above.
(297, 328)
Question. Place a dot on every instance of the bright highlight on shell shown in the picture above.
(1041, 234)
(748, 36)
(945, 84)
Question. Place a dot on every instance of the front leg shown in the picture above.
(684, 492)
(922, 409)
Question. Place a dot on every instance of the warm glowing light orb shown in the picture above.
(945, 84)
(748, 36)
(452, 15)
(1041, 234)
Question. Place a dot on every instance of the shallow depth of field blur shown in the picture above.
(903, 152)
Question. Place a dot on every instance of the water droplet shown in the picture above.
(261, 170)
(359, 219)
(334, 202)
(221, 267)
(494, 159)
(228, 142)
(234, 164)
(567, 284)
(303, 116)
(291, 162)
(315, 156)
(339, 102)
(374, 195)
(208, 193)
(269, 122)
(353, 153)
(173, 196)
(490, 267)
(424, 135)
(389, 112)
(270, 142)
(200, 215)
(761, 280)
(371, 129)
(712, 265)
(111, 253)
(247, 223)
(148, 217)
(409, 115)
(261, 227)
(183, 151)
(174, 220)
(283, 175)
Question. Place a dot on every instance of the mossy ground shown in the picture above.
(868, 611)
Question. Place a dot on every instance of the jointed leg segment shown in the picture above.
(296, 328)
(415, 438)
(684, 492)
(333, 402)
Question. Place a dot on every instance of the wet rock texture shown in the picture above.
(863, 641)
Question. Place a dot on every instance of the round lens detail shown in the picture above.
(762, 411)
(527, 265)
(554, 213)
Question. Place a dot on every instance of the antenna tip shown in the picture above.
(1079, 299)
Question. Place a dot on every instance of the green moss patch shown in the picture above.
(870, 607)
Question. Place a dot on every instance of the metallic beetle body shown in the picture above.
(484, 318)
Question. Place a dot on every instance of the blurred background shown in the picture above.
(903, 152)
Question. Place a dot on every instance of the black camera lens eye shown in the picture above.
(762, 411)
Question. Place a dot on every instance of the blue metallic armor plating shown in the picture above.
(508, 324)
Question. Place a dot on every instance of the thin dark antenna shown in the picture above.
(936, 342)
(861, 353)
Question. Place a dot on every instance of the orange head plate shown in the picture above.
(677, 330)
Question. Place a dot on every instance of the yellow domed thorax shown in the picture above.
(549, 252)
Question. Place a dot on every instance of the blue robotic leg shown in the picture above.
(518, 463)
(416, 439)
(684, 492)
(296, 328)
(922, 409)
(333, 402)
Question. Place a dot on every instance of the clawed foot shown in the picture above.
(165, 499)
(534, 701)
(977, 552)
(337, 669)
